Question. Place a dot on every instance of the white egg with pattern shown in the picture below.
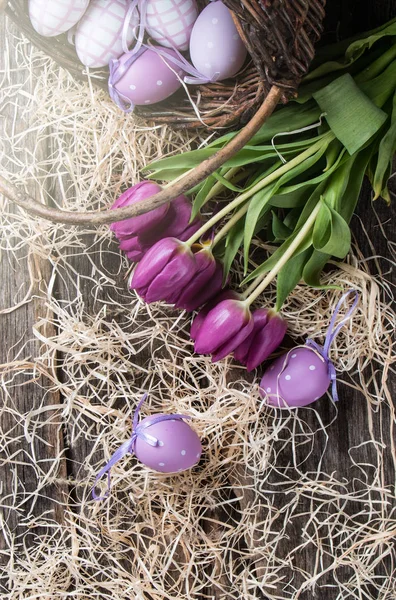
(98, 36)
(170, 22)
(53, 17)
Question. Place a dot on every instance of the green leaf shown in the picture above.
(262, 198)
(257, 206)
(233, 243)
(353, 118)
(346, 203)
(314, 267)
(380, 89)
(279, 229)
(227, 184)
(386, 150)
(279, 252)
(331, 232)
(337, 56)
(200, 198)
(289, 276)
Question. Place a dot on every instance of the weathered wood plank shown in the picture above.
(30, 424)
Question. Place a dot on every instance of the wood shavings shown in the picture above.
(224, 525)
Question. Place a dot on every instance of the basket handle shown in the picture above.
(190, 180)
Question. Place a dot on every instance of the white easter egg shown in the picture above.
(99, 33)
(170, 22)
(53, 17)
(216, 48)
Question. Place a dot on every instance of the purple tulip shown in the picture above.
(268, 332)
(206, 283)
(142, 223)
(164, 270)
(132, 248)
(177, 222)
(225, 327)
(201, 316)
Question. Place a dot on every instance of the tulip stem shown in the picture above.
(260, 185)
(259, 285)
(230, 224)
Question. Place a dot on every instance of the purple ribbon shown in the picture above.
(332, 332)
(128, 447)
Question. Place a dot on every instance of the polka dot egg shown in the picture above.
(148, 79)
(170, 22)
(216, 49)
(178, 449)
(297, 378)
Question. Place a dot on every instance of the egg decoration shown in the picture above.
(147, 78)
(98, 36)
(216, 49)
(295, 379)
(170, 22)
(53, 17)
(178, 446)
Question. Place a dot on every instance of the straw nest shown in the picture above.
(220, 529)
(280, 37)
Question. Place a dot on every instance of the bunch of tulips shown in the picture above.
(176, 265)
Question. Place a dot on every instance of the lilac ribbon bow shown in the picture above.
(332, 332)
(128, 447)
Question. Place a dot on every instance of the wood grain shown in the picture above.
(25, 462)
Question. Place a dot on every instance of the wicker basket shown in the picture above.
(279, 35)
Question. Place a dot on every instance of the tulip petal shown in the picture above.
(265, 341)
(173, 277)
(188, 299)
(233, 342)
(207, 291)
(222, 324)
(153, 263)
(140, 223)
(260, 319)
(201, 316)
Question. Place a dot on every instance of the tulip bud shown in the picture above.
(177, 222)
(164, 270)
(225, 327)
(201, 316)
(205, 284)
(268, 332)
(141, 223)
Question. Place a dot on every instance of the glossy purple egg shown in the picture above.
(297, 378)
(216, 48)
(179, 447)
(149, 79)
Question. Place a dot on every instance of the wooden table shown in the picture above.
(26, 523)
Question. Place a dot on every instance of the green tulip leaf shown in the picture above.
(351, 115)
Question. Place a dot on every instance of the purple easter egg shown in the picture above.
(216, 48)
(149, 79)
(179, 447)
(297, 378)
(170, 22)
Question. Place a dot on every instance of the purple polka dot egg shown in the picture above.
(216, 49)
(295, 379)
(170, 22)
(98, 36)
(149, 78)
(178, 449)
(53, 17)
